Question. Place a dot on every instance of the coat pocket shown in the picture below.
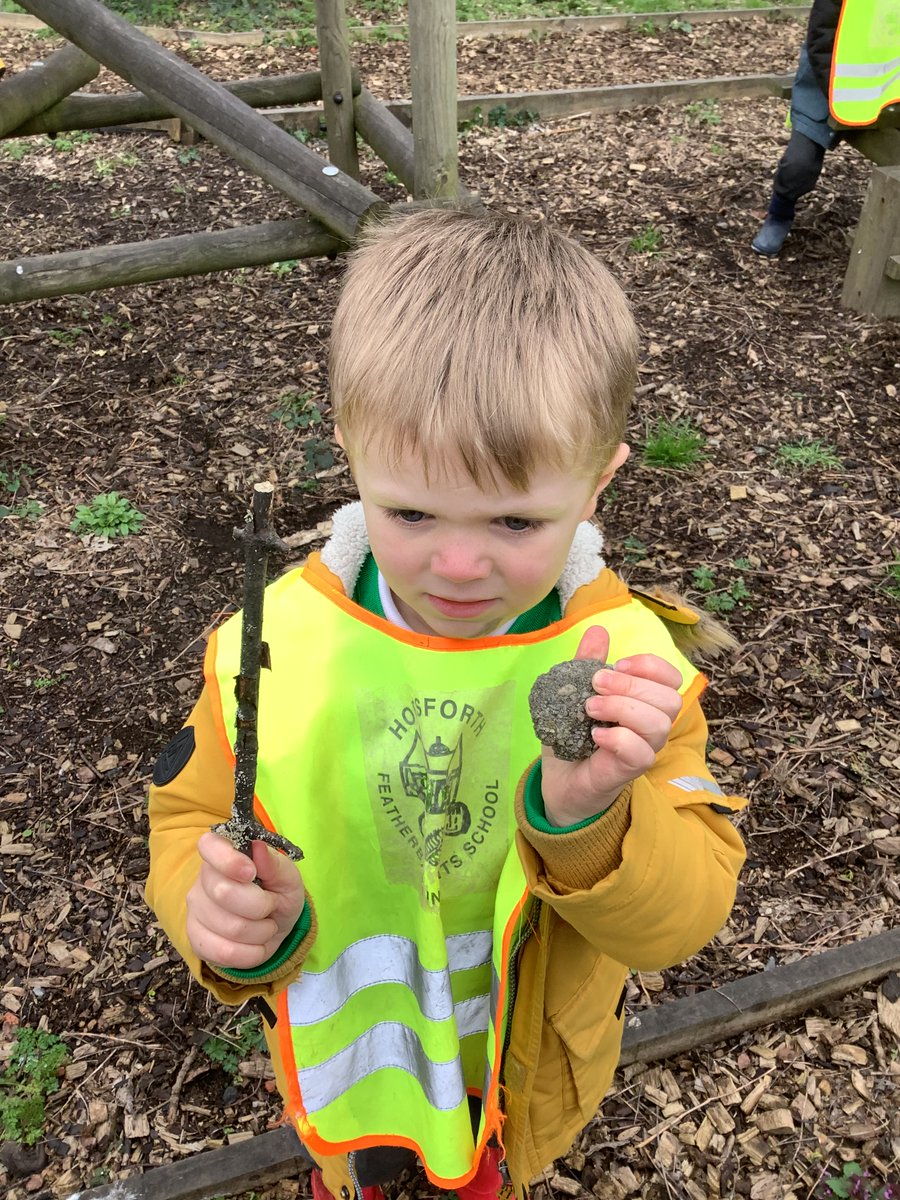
(588, 1027)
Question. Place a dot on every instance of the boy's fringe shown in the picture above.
(694, 632)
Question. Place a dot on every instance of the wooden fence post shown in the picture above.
(338, 201)
(871, 286)
(337, 94)
(432, 57)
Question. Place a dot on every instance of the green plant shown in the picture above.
(679, 26)
(635, 549)
(229, 1048)
(855, 1181)
(703, 112)
(108, 515)
(30, 1076)
(69, 141)
(189, 155)
(284, 268)
(30, 510)
(296, 410)
(318, 455)
(12, 478)
(473, 122)
(648, 241)
(892, 578)
(673, 444)
(501, 118)
(16, 150)
(808, 455)
(719, 599)
(391, 179)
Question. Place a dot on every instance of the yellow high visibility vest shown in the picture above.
(391, 758)
(865, 68)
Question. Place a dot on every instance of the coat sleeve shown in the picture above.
(652, 880)
(196, 798)
(820, 34)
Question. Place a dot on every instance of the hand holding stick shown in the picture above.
(259, 538)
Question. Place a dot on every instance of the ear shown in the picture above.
(605, 479)
(339, 438)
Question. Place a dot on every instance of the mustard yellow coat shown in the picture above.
(643, 887)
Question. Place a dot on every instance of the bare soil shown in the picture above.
(170, 395)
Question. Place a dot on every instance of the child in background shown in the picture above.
(448, 964)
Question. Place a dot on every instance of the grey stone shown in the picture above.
(557, 702)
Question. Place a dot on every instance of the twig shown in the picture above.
(179, 1084)
(242, 828)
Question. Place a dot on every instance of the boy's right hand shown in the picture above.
(233, 921)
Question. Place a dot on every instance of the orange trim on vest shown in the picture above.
(429, 642)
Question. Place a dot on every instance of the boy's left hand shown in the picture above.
(640, 695)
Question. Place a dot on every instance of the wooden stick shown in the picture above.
(338, 201)
(334, 63)
(258, 536)
(77, 271)
(29, 92)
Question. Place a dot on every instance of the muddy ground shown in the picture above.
(179, 395)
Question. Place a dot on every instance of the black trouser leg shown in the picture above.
(799, 168)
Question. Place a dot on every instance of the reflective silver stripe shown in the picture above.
(866, 70)
(386, 958)
(465, 950)
(848, 95)
(696, 783)
(388, 1044)
(472, 1016)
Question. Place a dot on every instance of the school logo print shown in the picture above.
(434, 781)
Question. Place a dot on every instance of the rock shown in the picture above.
(23, 1160)
(557, 708)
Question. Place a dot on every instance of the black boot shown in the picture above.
(775, 228)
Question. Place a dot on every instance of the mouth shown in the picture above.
(460, 608)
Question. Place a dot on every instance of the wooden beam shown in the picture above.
(31, 91)
(334, 63)
(249, 1164)
(432, 75)
(95, 111)
(338, 201)
(869, 288)
(880, 146)
(724, 1012)
(77, 271)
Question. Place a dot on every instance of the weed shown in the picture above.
(391, 179)
(28, 510)
(855, 1181)
(229, 1048)
(302, 135)
(16, 150)
(474, 122)
(892, 578)
(318, 455)
(30, 1076)
(68, 337)
(679, 26)
(648, 241)
(68, 142)
(673, 444)
(12, 478)
(189, 155)
(719, 599)
(635, 549)
(383, 33)
(284, 268)
(808, 455)
(108, 515)
(297, 411)
(501, 118)
(703, 112)
(647, 28)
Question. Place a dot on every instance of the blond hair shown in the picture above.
(495, 340)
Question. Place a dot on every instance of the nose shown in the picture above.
(459, 560)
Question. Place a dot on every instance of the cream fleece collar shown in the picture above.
(345, 552)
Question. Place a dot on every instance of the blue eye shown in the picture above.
(521, 524)
(406, 516)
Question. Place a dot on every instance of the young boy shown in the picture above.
(448, 969)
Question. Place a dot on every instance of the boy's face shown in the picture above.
(461, 561)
